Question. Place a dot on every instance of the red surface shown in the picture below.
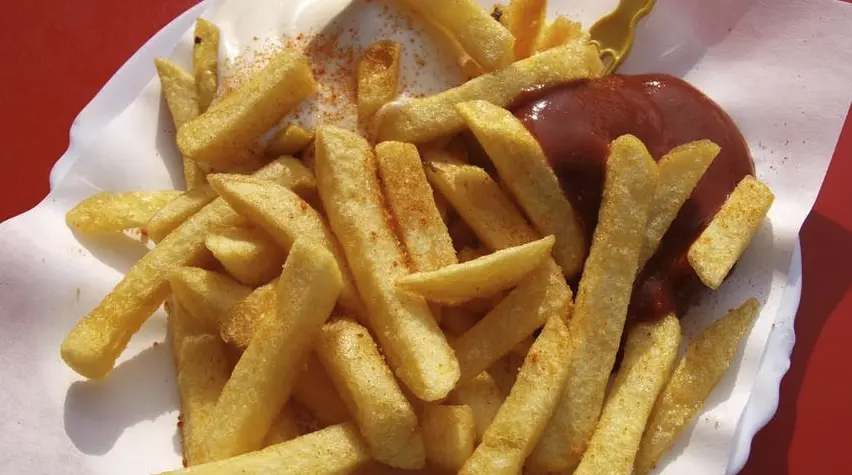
(57, 54)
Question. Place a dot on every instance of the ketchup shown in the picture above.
(575, 122)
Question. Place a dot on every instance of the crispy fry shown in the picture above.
(367, 386)
(649, 357)
(480, 277)
(264, 376)
(286, 217)
(411, 340)
(290, 140)
(449, 433)
(283, 428)
(422, 120)
(224, 133)
(238, 325)
(523, 416)
(207, 295)
(484, 39)
(601, 307)
(248, 254)
(178, 210)
(205, 62)
(483, 397)
(527, 173)
(526, 19)
(315, 390)
(112, 212)
(559, 32)
(331, 451)
(378, 75)
(680, 170)
(707, 358)
(716, 251)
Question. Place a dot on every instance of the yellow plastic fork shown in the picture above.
(613, 34)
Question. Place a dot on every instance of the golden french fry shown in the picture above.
(413, 206)
(540, 294)
(205, 61)
(112, 212)
(680, 171)
(485, 40)
(527, 173)
(707, 358)
(483, 397)
(415, 347)
(207, 295)
(522, 418)
(367, 386)
(237, 326)
(378, 75)
(182, 324)
(449, 433)
(716, 251)
(178, 210)
(227, 130)
(315, 390)
(263, 378)
(422, 120)
(286, 217)
(649, 357)
(331, 451)
(601, 307)
(248, 254)
(559, 32)
(283, 428)
(290, 140)
(480, 277)
(92, 346)
(526, 19)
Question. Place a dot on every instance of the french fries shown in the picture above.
(526, 172)
(207, 295)
(178, 210)
(367, 386)
(707, 358)
(107, 212)
(649, 356)
(526, 19)
(283, 428)
(449, 433)
(248, 254)
(290, 140)
(601, 307)
(716, 251)
(315, 391)
(505, 371)
(238, 324)
(483, 397)
(560, 32)
(680, 170)
(223, 133)
(205, 62)
(485, 40)
(480, 277)
(415, 347)
(263, 378)
(378, 75)
(331, 451)
(422, 120)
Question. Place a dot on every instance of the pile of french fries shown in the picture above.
(343, 304)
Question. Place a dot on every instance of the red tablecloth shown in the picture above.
(57, 54)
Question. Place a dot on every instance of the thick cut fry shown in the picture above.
(223, 134)
(480, 277)
(92, 346)
(526, 19)
(707, 358)
(238, 325)
(601, 307)
(182, 324)
(286, 218)
(178, 210)
(522, 418)
(680, 170)
(367, 386)
(378, 75)
(527, 173)
(485, 40)
(483, 397)
(290, 140)
(315, 391)
(248, 254)
(716, 251)
(541, 294)
(205, 62)
(649, 356)
(107, 212)
(264, 376)
(283, 428)
(207, 295)
(429, 118)
(560, 32)
(415, 347)
(413, 206)
(332, 451)
(449, 433)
